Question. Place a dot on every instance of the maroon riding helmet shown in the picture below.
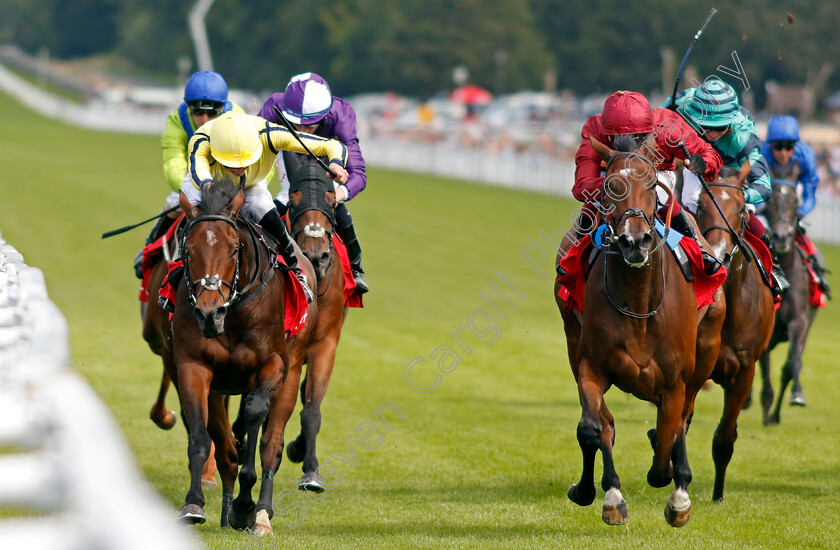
(627, 113)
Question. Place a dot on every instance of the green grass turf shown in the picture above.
(485, 458)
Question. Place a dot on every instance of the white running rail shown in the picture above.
(63, 459)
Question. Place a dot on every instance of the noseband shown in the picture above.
(209, 282)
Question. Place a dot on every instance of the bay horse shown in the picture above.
(641, 331)
(796, 313)
(311, 217)
(749, 310)
(227, 337)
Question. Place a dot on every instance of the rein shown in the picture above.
(727, 228)
(214, 283)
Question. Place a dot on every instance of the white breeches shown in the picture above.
(257, 203)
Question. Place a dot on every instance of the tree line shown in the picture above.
(412, 47)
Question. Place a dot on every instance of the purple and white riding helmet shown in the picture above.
(307, 99)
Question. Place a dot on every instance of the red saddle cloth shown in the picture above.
(151, 253)
(351, 299)
(576, 261)
(766, 259)
(817, 297)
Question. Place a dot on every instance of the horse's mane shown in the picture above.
(215, 198)
(627, 143)
(727, 172)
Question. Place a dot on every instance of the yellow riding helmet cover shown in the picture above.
(235, 141)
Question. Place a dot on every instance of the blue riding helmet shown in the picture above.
(712, 105)
(782, 128)
(206, 85)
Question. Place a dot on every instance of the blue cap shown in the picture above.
(206, 85)
(782, 128)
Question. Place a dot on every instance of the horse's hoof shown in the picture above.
(797, 399)
(263, 526)
(771, 420)
(209, 483)
(165, 423)
(296, 451)
(678, 508)
(580, 497)
(614, 511)
(192, 514)
(311, 483)
(242, 520)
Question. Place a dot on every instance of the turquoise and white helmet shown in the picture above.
(712, 105)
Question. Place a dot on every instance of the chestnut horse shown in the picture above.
(640, 331)
(749, 310)
(796, 313)
(312, 219)
(226, 337)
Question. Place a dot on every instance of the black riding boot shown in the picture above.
(160, 228)
(781, 283)
(354, 249)
(273, 223)
(681, 223)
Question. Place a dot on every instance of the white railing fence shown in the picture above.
(62, 457)
(532, 173)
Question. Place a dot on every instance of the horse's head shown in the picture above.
(782, 215)
(212, 253)
(312, 213)
(629, 196)
(728, 191)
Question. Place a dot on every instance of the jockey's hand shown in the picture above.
(341, 192)
(696, 164)
(341, 174)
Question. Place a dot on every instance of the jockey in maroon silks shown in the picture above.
(630, 113)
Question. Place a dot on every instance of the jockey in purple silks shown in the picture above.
(310, 107)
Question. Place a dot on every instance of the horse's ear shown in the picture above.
(190, 211)
(650, 146)
(329, 196)
(294, 198)
(605, 152)
(234, 206)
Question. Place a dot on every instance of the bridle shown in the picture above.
(215, 283)
(314, 230)
(725, 228)
(632, 212)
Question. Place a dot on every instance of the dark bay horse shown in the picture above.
(640, 331)
(312, 219)
(795, 314)
(749, 310)
(227, 337)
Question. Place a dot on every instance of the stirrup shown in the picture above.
(781, 281)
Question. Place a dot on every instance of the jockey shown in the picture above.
(792, 160)
(245, 146)
(630, 113)
(309, 105)
(205, 98)
(713, 110)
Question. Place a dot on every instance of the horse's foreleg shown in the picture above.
(589, 431)
(320, 361)
(723, 443)
(225, 455)
(614, 510)
(794, 363)
(271, 445)
(243, 510)
(668, 422)
(194, 388)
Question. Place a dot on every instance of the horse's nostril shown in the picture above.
(325, 257)
(647, 240)
(625, 242)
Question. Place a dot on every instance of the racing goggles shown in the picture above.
(205, 107)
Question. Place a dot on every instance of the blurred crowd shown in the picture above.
(530, 124)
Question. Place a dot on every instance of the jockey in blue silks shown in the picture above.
(792, 160)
